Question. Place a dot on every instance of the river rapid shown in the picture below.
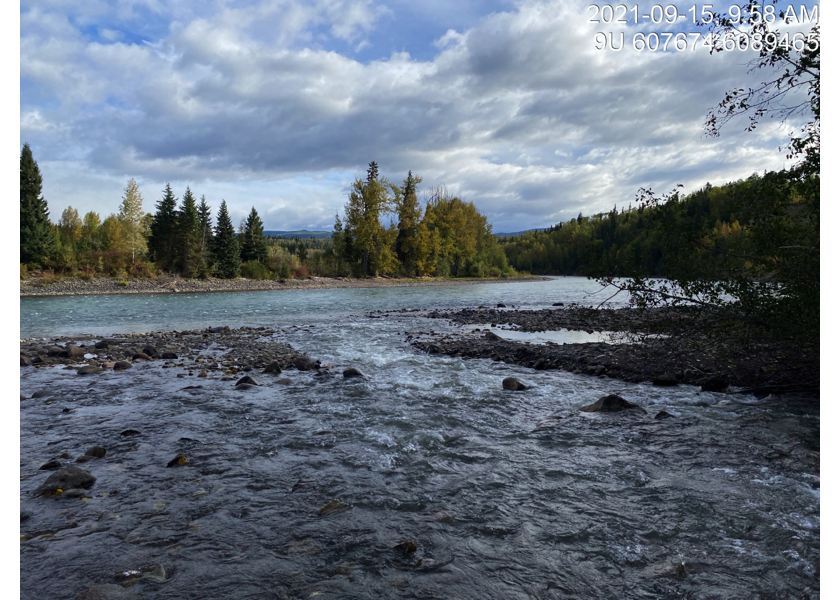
(451, 486)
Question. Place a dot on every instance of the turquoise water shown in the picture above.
(70, 315)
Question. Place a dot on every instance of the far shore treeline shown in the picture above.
(447, 237)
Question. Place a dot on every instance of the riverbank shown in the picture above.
(70, 286)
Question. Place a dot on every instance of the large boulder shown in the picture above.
(611, 403)
(305, 363)
(73, 351)
(65, 479)
(716, 383)
(665, 380)
(353, 372)
(513, 384)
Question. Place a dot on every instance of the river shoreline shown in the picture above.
(35, 287)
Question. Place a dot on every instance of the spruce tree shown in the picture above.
(253, 246)
(225, 246)
(205, 228)
(409, 243)
(189, 242)
(37, 241)
(163, 231)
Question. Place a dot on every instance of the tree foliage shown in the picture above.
(37, 241)
(131, 214)
(225, 246)
(162, 241)
(252, 244)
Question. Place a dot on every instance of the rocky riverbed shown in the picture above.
(71, 286)
(662, 346)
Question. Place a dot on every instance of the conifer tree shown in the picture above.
(205, 227)
(162, 241)
(189, 236)
(225, 246)
(37, 241)
(410, 237)
(253, 245)
(131, 214)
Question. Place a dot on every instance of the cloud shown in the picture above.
(516, 110)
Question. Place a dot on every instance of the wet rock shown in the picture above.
(247, 380)
(73, 351)
(665, 380)
(513, 384)
(42, 394)
(202, 373)
(715, 383)
(352, 372)
(222, 329)
(128, 432)
(501, 305)
(273, 368)
(558, 304)
(332, 507)
(244, 386)
(406, 547)
(663, 415)
(153, 572)
(108, 591)
(150, 351)
(611, 403)
(305, 363)
(666, 568)
(67, 478)
(122, 365)
(90, 370)
(303, 548)
(168, 354)
(179, 460)
(489, 335)
(85, 458)
(102, 344)
(25, 361)
(25, 516)
(50, 465)
(96, 452)
(140, 356)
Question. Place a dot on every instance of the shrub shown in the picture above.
(254, 269)
(24, 272)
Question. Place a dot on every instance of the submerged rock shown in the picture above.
(90, 370)
(50, 465)
(406, 547)
(332, 507)
(663, 415)
(273, 368)
(305, 363)
(513, 384)
(122, 365)
(66, 479)
(96, 452)
(108, 591)
(180, 459)
(351, 373)
(246, 381)
(611, 403)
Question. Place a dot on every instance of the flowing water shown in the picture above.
(504, 494)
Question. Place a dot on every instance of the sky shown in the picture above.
(281, 104)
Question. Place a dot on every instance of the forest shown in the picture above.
(385, 231)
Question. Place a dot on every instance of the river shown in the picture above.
(503, 494)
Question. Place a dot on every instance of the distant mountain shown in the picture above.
(521, 232)
(303, 233)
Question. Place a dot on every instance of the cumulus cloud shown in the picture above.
(269, 105)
